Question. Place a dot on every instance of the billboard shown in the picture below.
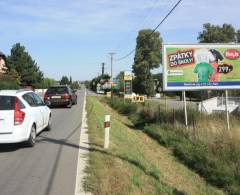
(201, 66)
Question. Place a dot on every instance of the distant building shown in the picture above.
(2, 63)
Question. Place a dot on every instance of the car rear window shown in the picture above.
(60, 90)
(7, 103)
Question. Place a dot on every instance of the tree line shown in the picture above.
(23, 71)
(148, 56)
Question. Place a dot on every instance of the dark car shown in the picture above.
(60, 96)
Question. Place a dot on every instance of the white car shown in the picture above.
(23, 115)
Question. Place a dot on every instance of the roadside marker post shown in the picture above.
(106, 131)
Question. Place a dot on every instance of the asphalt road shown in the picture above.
(50, 167)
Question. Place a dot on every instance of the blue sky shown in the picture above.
(74, 37)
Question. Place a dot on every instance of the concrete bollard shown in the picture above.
(106, 131)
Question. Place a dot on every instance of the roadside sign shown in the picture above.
(201, 66)
(128, 87)
(138, 99)
(127, 84)
(127, 77)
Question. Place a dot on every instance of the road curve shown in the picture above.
(50, 167)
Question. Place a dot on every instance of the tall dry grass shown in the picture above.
(206, 145)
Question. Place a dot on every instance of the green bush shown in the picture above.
(6, 82)
(123, 107)
(215, 168)
(217, 162)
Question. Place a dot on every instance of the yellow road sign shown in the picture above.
(127, 77)
(138, 99)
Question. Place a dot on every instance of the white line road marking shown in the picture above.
(83, 152)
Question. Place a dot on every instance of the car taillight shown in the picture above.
(66, 96)
(18, 114)
(46, 97)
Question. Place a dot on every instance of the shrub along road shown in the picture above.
(205, 146)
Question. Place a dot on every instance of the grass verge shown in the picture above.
(206, 146)
(135, 163)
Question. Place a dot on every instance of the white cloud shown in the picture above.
(108, 16)
(113, 22)
(74, 16)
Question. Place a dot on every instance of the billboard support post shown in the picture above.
(185, 109)
(226, 107)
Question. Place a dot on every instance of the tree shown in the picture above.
(158, 82)
(48, 82)
(24, 65)
(120, 78)
(13, 74)
(87, 84)
(238, 36)
(64, 81)
(100, 79)
(8, 82)
(70, 80)
(75, 85)
(218, 34)
(147, 57)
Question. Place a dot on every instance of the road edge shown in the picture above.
(83, 152)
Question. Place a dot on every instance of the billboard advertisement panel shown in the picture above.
(201, 66)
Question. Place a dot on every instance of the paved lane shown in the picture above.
(50, 167)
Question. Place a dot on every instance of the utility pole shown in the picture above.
(111, 79)
(103, 69)
(111, 54)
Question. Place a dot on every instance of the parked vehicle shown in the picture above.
(100, 92)
(61, 95)
(22, 116)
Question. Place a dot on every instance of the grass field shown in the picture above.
(134, 163)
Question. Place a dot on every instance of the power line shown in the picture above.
(132, 51)
(166, 16)
(153, 2)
